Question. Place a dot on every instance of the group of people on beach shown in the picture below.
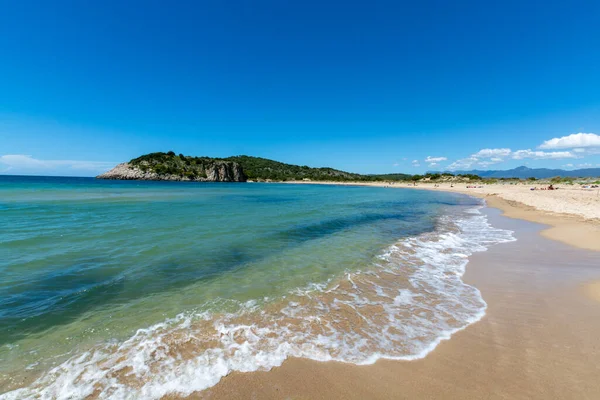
(551, 187)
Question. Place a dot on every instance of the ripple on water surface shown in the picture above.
(235, 289)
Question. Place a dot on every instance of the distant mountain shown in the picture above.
(538, 173)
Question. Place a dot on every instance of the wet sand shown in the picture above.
(539, 339)
(572, 214)
(571, 229)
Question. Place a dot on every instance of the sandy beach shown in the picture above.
(300, 200)
(523, 319)
(571, 213)
(538, 339)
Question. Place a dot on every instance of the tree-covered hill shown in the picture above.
(178, 167)
(257, 168)
(254, 168)
(389, 177)
(171, 166)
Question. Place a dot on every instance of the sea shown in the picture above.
(137, 290)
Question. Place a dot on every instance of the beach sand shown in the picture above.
(538, 340)
(572, 214)
(592, 290)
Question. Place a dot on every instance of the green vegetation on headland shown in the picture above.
(257, 168)
(171, 166)
(254, 168)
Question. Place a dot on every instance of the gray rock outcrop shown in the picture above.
(219, 171)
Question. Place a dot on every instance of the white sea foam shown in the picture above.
(401, 309)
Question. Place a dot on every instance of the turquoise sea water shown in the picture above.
(85, 264)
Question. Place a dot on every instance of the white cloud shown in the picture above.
(542, 155)
(463, 163)
(585, 165)
(488, 153)
(26, 164)
(430, 159)
(574, 140)
(483, 158)
(395, 164)
(433, 164)
(568, 166)
(416, 163)
(486, 157)
(581, 143)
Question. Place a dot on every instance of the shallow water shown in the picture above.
(139, 289)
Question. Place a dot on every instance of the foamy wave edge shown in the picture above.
(441, 258)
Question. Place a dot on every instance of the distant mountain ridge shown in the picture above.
(538, 173)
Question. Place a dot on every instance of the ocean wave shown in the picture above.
(411, 299)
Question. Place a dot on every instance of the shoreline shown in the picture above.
(535, 341)
(579, 230)
(496, 350)
(326, 307)
(544, 284)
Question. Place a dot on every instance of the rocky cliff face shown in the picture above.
(219, 171)
(225, 172)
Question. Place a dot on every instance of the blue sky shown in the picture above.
(369, 87)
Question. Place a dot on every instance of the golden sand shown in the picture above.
(539, 339)
(592, 290)
(572, 213)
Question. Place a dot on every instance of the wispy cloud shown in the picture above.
(487, 157)
(542, 155)
(463, 163)
(26, 164)
(489, 153)
(430, 159)
(483, 158)
(580, 140)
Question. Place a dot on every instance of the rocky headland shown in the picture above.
(170, 167)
